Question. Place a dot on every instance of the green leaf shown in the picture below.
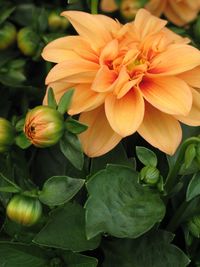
(9, 189)
(15, 255)
(9, 182)
(66, 230)
(65, 101)
(75, 126)
(78, 260)
(119, 206)
(193, 189)
(20, 125)
(5, 13)
(51, 99)
(152, 250)
(60, 189)
(22, 141)
(115, 156)
(71, 148)
(146, 156)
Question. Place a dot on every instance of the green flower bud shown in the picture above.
(194, 226)
(150, 175)
(56, 22)
(27, 41)
(129, 8)
(8, 35)
(7, 135)
(24, 210)
(196, 29)
(44, 126)
(190, 154)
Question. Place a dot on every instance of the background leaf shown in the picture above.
(146, 156)
(193, 189)
(119, 206)
(59, 189)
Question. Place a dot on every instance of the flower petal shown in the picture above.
(193, 118)
(73, 71)
(110, 52)
(125, 114)
(160, 130)
(146, 24)
(99, 138)
(104, 79)
(176, 59)
(70, 47)
(84, 99)
(192, 77)
(90, 27)
(168, 94)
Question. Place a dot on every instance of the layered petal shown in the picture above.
(88, 26)
(146, 24)
(70, 47)
(84, 99)
(192, 77)
(99, 138)
(73, 71)
(168, 94)
(160, 130)
(125, 114)
(104, 79)
(176, 59)
(193, 118)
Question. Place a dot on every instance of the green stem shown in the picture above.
(10, 182)
(177, 218)
(94, 6)
(172, 177)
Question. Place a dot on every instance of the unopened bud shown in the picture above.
(7, 35)
(56, 22)
(190, 154)
(44, 126)
(27, 41)
(7, 135)
(129, 8)
(24, 210)
(150, 175)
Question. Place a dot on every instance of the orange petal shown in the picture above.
(145, 23)
(89, 27)
(73, 71)
(176, 59)
(99, 138)
(104, 79)
(125, 114)
(59, 88)
(109, 52)
(193, 118)
(59, 50)
(168, 94)
(84, 99)
(160, 130)
(122, 79)
(192, 77)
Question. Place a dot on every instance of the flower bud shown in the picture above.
(7, 135)
(56, 22)
(150, 175)
(27, 41)
(24, 210)
(129, 8)
(194, 226)
(7, 35)
(44, 126)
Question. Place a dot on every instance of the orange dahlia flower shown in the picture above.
(180, 12)
(134, 77)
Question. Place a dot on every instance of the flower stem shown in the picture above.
(94, 6)
(172, 177)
